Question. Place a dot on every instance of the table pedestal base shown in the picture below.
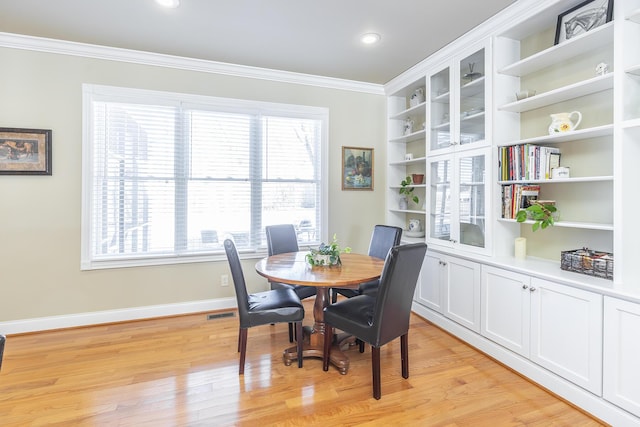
(336, 357)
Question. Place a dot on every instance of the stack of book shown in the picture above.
(516, 197)
(527, 162)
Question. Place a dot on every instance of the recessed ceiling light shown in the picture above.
(370, 38)
(169, 3)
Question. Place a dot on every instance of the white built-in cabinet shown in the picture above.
(556, 326)
(547, 323)
(458, 151)
(451, 286)
(622, 354)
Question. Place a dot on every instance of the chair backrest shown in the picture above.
(395, 293)
(383, 238)
(2, 340)
(281, 238)
(238, 282)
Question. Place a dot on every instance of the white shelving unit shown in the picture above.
(522, 58)
(401, 108)
(597, 205)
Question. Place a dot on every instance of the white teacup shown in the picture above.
(414, 225)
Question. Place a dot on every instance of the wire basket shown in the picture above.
(587, 261)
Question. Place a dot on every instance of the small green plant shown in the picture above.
(540, 213)
(327, 254)
(407, 190)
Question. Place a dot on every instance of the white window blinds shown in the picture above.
(166, 177)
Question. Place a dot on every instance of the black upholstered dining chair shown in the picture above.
(383, 238)
(2, 341)
(379, 320)
(282, 238)
(262, 308)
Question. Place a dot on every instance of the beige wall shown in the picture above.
(40, 215)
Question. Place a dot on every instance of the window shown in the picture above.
(167, 177)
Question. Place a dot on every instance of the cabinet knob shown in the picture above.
(453, 241)
(525, 287)
(532, 289)
(453, 143)
(442, 262)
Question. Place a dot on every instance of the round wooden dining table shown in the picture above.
(292, 268)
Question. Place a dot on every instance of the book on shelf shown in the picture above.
(516, 197)
(527, 162)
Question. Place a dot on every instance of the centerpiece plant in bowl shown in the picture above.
(327, 255)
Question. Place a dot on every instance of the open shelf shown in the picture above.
(415, 161)
(569, 224)
(413, 111)
(579, 45)
(594, 132)
(415, 136)
(559, 181)
(585, 87)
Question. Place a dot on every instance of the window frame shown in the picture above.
(91, 93)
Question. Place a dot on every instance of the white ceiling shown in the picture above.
(310, 37)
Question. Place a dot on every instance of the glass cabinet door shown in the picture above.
(471, 200)
(440, 119)
(471, 108)
(440, 207)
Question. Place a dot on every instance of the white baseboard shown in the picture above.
(110, 316)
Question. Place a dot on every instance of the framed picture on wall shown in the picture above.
(357, 168)
(25, 151)
(582, 18)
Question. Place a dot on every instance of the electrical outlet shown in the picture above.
(224, 280)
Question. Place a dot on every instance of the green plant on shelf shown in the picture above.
(407, 190)
(541, 213)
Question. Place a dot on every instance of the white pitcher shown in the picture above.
(561, 122)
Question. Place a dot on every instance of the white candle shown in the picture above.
(521, 248)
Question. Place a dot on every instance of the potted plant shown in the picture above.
(540, 211)
(327, 255)
(407, 191)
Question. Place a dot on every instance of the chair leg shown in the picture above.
(290, 332)
(375, 368)
(328, 339)
(242, 346)
(360, 345)
(404, 351)
(299, 341)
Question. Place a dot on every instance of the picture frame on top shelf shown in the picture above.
(583, 18)
(357, 168)
(25, 151)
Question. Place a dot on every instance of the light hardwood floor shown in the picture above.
(183, 371)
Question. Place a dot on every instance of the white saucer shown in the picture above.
(413, 233)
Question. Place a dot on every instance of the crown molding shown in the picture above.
(513, 15)
(62, 47)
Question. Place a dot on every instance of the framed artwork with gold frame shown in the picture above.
(357, 168)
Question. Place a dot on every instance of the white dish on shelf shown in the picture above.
(408, 233)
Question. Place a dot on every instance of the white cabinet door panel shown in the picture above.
(430, 283)
(463, 292)
(622, 354)
(505, 308)
(566, 332)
